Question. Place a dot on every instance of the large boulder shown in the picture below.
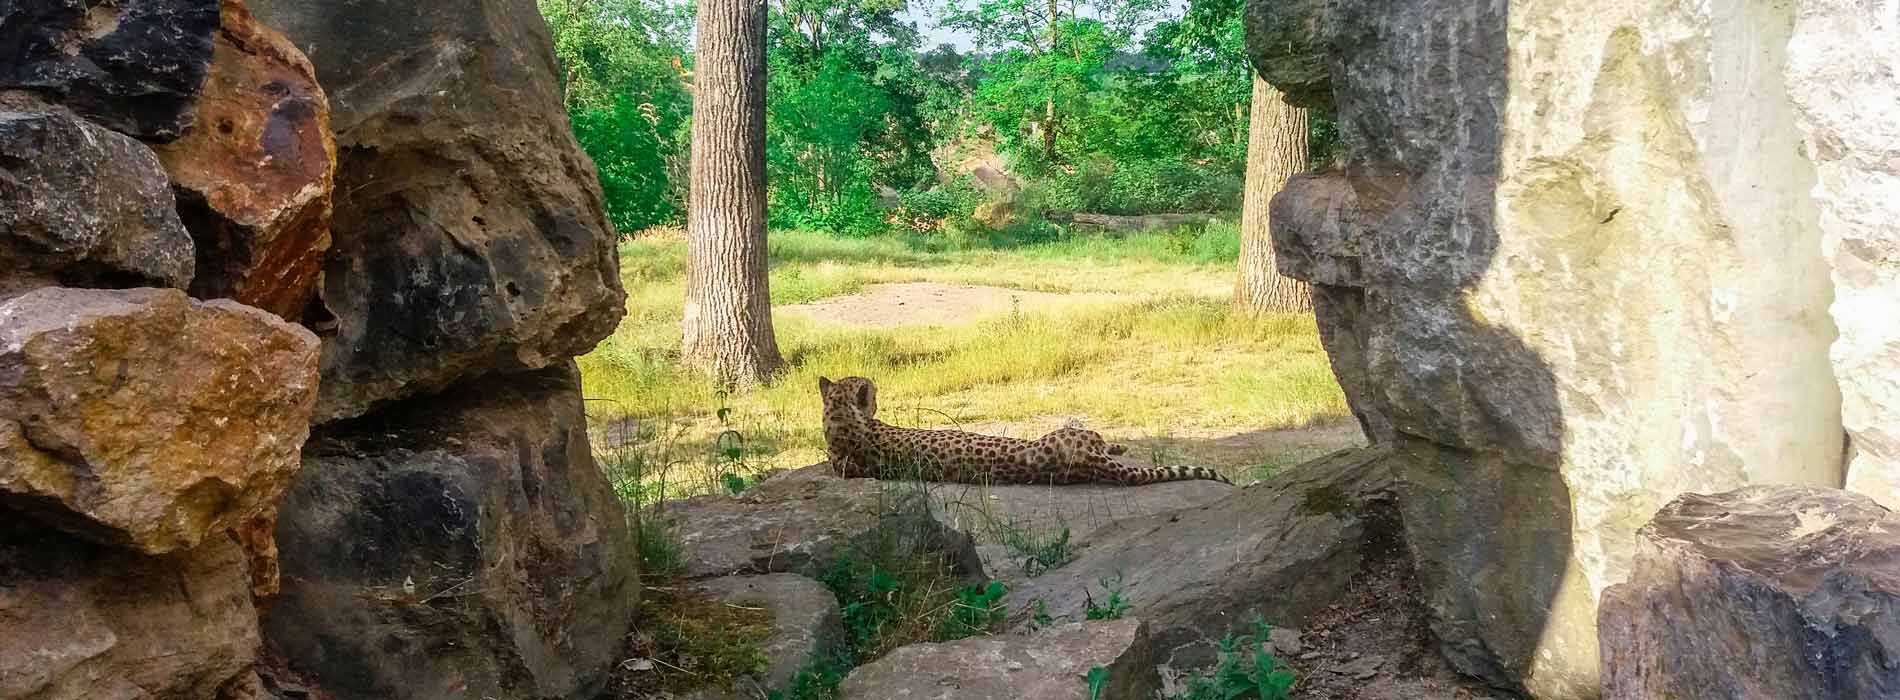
(253, 179)
(144, 419)
(1052, 664)
(803, 521)
(455, 546)
(470, 234)
(1763, 592)
(82, 206)
(805, 622)
(1582, 278)
(1283, 550)
(132, 65)
(84, 621)
(1841, 68)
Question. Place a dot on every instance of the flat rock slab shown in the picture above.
(801, 521)
(804, 619)
(1763, 592)
(1003, 519)
(1284, 550)
(1052, 664)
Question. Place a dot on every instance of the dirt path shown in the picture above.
(930, 303)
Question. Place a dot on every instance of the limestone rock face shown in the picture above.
(254, 178)
(1842, 61)
(805, 618)
(1763, 592)
(455, 546)
(470, 234)
(1583, 268)
(803, 520)
(82, 206)
(132, 65)
(88, 622)
(1050, 665)
(1283, 550)
(144, 419)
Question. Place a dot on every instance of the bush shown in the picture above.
(1142, 187)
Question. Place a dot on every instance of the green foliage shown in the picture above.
(1039, 615)
(820, 677)
(978, 609)
(1245, 671)
(1111, 609)
(1038, 554)
(1098, 682)
(622, 70)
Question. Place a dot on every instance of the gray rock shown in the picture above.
(1284, 642)
(1764, 592)
(84, 621)
(1052, 664)
(804, 620)
(134, 65)
(1282, 550)
(804, 520)
(81, 206)
(470, 234)
(1575, 281)
(1005, 519)
(462, 545)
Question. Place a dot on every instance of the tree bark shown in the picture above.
(1276, 150)
(728, 316)
(1049, 105)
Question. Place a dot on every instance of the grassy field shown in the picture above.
(1139, 345)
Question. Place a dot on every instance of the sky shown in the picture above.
(923, 11)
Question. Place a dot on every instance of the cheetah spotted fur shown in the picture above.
(860, 445)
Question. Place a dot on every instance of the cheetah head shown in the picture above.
(848, 401)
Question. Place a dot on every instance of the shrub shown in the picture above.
(1245, 671)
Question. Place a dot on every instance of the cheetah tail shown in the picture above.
(1136, 476)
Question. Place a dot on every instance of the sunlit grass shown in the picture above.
(1159, 354)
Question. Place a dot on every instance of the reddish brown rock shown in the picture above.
(1764, 592)
(254, 177)
(144, 419)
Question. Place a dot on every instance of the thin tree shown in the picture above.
(1276, 149)
(728, 320)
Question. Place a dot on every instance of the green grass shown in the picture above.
(1146, 348)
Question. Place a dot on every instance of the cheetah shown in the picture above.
(860, 445)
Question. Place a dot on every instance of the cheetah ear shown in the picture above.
(864, 396)
(824, 384)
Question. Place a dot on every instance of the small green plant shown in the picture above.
(820, 677)
(1245, 671)
(1038, 555)
(1098, 682)
(1039, 617)
(977, 610)
(1111, 609)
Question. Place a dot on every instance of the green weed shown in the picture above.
(1245, 671)
(977, 610)
(1111, 609)
(1098, 682)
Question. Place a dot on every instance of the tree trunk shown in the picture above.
(1049, 105)
(1276, 149)
(728, 319)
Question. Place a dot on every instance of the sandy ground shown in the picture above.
(930, 303)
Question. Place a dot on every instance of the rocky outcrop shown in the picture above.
(1840, 72)
(805, 620)
(89, 622)
(1197, 574)
(144, 419)
(1580, 279)
(81, 206)
(1049, 665)
(1764, 592)
(254, 178)
(470, 235)
(453, 546)
(134, 66)
(804, 520)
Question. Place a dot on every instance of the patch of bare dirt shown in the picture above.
(1377, 644)
(929, 303)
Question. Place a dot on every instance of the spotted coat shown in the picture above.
(860, 445)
